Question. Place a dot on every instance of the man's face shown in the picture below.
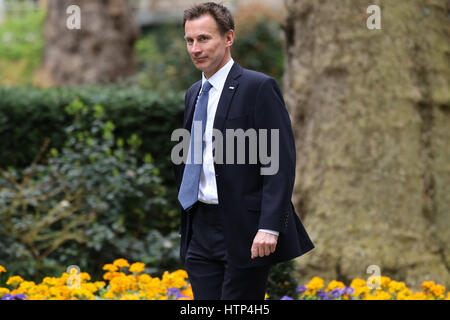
(208, 49)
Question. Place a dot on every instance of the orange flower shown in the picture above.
(110, 267)
(137, 267)
(121, 263)
(426, 285)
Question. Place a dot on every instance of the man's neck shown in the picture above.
(226, 59)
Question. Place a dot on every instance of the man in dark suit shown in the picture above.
(235, 221)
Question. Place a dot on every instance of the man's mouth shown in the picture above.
(200, 59)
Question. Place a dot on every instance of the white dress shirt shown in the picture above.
(207, 190)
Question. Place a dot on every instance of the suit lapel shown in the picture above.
(191, 105)
(229, 88)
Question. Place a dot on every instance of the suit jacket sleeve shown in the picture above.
(271, 113)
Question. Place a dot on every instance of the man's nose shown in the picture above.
(195, 49)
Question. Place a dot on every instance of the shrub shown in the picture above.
(30, 115)
(84, 203)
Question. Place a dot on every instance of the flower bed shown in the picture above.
(129, 282)
(359, 290)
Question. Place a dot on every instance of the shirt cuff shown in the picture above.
(276, 233)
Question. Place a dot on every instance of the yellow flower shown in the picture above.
(109, 295)
(361, 291)
(426, 285)
(3, 291)
(111, 275)
(180, 273)
(84, 276)
(357, 282)
(385, 282)
(50, 281)
(396, 286)
(419, 296)
(188, 292)
(137, 267)
(121, 263)
(438, 290)
(129, 297)
(405, 294)
(335, 284)
(378, 295)
(2, 269)
(173, 280)
(144, 278)
(315, 284)
(82, 294)
(27, 285)
(14, 281)
(110, 267)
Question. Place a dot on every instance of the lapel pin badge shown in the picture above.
(232, 88)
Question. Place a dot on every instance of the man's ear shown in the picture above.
(230, 37)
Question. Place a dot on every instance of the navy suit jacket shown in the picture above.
(249, 201)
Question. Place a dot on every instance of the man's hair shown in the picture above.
(220, 13)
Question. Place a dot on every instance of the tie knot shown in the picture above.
(206, 87)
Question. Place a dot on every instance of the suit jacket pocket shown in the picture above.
(237, 122)
(253, 202)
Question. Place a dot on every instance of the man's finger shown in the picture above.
(272, 250)
(267, 249)
(260, 250)
(254, 251)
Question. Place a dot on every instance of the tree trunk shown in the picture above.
(371, 117)
(100, 51)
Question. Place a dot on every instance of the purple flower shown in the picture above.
(349, 290)
(19, 296)
(286, 298)
(301, 289)
(176, 293)
(322, 295)
(336, 293)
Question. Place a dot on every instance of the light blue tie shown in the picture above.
(188, 193)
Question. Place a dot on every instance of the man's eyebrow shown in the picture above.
(200, 35)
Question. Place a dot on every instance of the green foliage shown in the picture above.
(164, 63)
(30, 115)
(282, 282)
(261, 48)
(92, 194)
(21, 46)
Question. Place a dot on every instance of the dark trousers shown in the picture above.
(211, 276)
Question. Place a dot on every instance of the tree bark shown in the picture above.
(371, 118)
(100, 51)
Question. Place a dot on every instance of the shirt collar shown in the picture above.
(217, 80)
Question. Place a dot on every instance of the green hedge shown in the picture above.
(29, 115)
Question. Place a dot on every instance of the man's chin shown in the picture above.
(202, 66)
